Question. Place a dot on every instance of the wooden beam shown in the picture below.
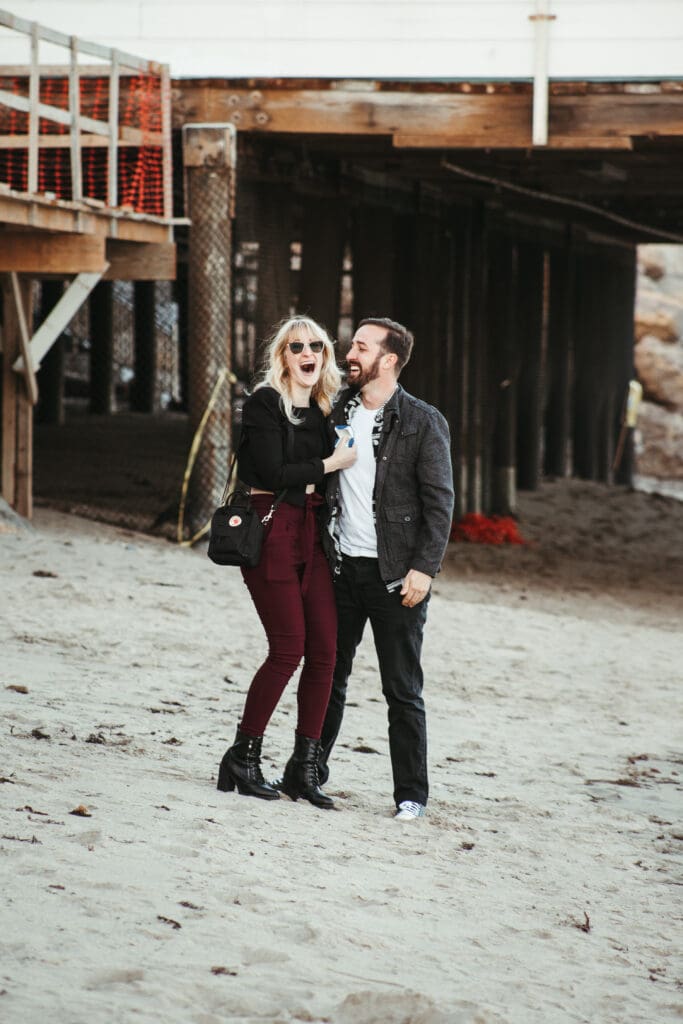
(40, 213)
(66, 141)
(26, 366)
(34, 103)
(62, 314)
(41, 253)
(140, 261)
(421, 140)
(17, 406)
(51, 35)
(113, 161)
(167, 144)
(75, 132)
(10, 384)
(580, 119)
(136, 136)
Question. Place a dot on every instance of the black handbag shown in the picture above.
(237, 530)
(236, 536)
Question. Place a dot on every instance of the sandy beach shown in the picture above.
(542, 887)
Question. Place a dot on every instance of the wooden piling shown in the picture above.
(209, 157)
(145, 391)
(503, 373)
(477, 281)
(558, 418)
(324, 233)
(624, 313)
(461, 355)
(50, 407)
(274, 230)
(17, 408)
(588, 386)
(372, 249)
(102, 348)
(531, 347)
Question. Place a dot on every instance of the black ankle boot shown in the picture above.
(241, 767)
(323, 766)
(301, 773)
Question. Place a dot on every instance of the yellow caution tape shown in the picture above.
(223, 376)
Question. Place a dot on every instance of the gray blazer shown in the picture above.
(413, 485)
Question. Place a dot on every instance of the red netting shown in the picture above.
(475, 528)
(140, 165)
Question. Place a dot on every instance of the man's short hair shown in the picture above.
(398, 339)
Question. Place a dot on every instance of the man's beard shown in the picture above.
(365, 376)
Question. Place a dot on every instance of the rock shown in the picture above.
(652, 266)
(11, 522)
(660, 292)
(660, 370)
(657, 324)
(662, 455)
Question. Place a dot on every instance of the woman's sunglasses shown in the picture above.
(297, 347)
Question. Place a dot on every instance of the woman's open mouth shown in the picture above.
(307, 367)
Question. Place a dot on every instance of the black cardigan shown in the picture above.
(266, 460)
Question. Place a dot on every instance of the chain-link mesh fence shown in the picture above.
(128, 468)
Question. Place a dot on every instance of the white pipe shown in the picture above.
(541, 19)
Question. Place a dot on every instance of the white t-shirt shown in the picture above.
(357, 534)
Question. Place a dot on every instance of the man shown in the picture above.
(390, 520)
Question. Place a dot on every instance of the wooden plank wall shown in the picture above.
(523, 334)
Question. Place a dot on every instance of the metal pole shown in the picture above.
(541, 21)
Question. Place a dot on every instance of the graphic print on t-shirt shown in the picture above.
(357, 534)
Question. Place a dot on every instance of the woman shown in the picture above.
(286, 447)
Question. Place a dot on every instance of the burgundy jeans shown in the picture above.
(292, 590)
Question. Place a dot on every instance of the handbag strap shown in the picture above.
(233, 461)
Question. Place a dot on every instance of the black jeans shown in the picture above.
(361, 594)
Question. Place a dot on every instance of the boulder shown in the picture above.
(656, 324)
(660, 370)
(662, 454)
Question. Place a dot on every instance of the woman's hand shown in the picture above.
(342, 457)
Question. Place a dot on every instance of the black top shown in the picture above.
(267, 458)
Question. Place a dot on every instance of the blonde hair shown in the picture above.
(276, 374)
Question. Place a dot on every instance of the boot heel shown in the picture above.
(241, 769)
(290, 791)
(226, 782)
(301, 773)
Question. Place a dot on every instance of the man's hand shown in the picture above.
(415, 587)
